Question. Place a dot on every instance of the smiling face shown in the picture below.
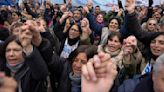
(15, 17)
(14, 53)
(114, 44)
(80, 59)
(151, 25)
(157, 45)
(113, 25)
(99, 18)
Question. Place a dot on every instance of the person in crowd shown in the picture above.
(131, 59)
(153, 40)
(153, 83)
(98, 29)
(97, 10)
(68, 71)
(70, 40)
(151, 25)
(77, 16)
(161, 24)
(86, 36)
(16, 16)
(4, 32)
(48, 12)
(113, 47)
(15, 28)
(113, 26)
(157, 15)
(23, 61)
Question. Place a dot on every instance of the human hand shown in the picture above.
(65, 15)
(129, 45)
(7, 84)
(130, 6)
(150, 3)
(41, 25)
(85, 8)
(98, 71)
(25, 38)
(120, 12)
(34, 28)
(67, 25)
(89, 4)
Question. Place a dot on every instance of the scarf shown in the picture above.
(73, 41)
(67, 49)
(15, 68)
(113, 54)
(75, 82)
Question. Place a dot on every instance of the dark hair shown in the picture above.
(79, 27)
(118, 34)
(3, 16)
(15, 25)
(118, 20)
(90, 51)
(97, 6)
(7, 41)
(18, 13)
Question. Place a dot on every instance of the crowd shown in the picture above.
(65, 48)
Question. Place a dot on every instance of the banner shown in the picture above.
(6, 2)
(105, 5)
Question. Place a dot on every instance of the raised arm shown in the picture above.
(133, 24)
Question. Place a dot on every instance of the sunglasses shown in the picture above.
(152, 24)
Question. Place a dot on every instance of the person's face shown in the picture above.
(129, 44)
(80, 59)
(157, 15)
(15, 17)
(74, 32)
(113, 25)
(16, 31)
(152, 25)
(157, 45)
(14, 53)
(77, 15)
(162, 28)
(158, 80)
(97, 9)
(41, 22)
(100, 18)
(48, 6)
(114, 44)
(84, 23)
(89, 5)
(63, 8)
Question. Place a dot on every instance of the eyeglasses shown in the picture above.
(152, 24)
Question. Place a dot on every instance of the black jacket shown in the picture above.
(134, 27)
(33, 74)
(60, 68)
(146, 85)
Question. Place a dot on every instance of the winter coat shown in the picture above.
(60, 68)
(134, 27)
(146, 85)
(31, 77)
